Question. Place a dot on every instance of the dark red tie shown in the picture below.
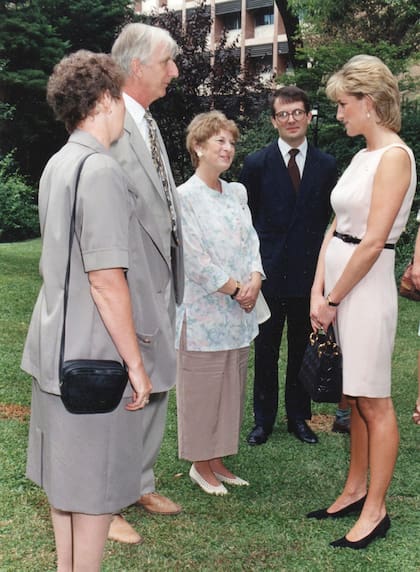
(294, 169)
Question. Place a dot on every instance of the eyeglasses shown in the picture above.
(283, 116)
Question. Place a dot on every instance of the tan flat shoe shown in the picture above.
(121, 531)
(158, 504)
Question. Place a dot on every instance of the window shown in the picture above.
(264, 16)
(231, 21)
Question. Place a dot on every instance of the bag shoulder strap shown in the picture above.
(67, 277)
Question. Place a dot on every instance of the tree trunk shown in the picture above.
(291, 24)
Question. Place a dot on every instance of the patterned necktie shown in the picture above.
(157, 157)
(294, 169)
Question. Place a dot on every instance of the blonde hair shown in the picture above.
(368, 75)
(204, 126)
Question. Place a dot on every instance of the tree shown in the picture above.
(29, 48)
(18, 213)
(88, 24)
(34, 36)
(291, 25)
(393, 21)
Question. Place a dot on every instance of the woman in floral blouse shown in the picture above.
(217, 321)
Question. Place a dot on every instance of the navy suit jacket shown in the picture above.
(290, 227)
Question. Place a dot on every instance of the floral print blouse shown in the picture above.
(219, 242)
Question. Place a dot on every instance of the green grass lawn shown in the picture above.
(256, 528)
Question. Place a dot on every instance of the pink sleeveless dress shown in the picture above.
(367, 316)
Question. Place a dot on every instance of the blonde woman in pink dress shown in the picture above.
(355, 288)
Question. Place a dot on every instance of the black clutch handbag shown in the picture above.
(321, 371)
(92, 386)
(87, 385)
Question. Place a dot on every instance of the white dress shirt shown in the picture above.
(136, 110)
(300, 157)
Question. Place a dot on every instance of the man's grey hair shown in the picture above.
(138, 41)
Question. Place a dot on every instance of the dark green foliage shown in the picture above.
(411, 125)
(18, 212)
(29, 47)
(6, 111)
(395, 22)
(34, 36)
(410, 133)
(88, 24)
(259, 135)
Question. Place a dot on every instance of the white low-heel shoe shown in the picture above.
(207, 487)
(232, 481)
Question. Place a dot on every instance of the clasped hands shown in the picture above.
(248, 293)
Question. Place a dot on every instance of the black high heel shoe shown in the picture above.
(378, 532)
(354, 507)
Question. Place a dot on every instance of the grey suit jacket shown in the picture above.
(157, 281)
(104, 226)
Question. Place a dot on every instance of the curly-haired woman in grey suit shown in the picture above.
(88, 465)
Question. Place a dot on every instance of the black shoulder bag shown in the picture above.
(321, 371)
(87, 385)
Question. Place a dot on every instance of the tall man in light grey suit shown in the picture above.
(146, 54)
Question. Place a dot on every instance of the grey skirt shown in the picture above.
(90, 464)
(210, 402)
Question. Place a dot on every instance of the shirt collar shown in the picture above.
(285, 148)
(135, 109)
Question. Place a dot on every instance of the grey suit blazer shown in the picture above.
(159, 267)
(104, 227)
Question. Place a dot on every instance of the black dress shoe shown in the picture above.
(258, 436)
(354, 507)
(378, 532)
(300, 428)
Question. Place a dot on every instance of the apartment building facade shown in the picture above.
(256, 25)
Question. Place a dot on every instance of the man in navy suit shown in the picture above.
(289, 198)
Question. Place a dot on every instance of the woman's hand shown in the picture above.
(141, 386)
(321, 313)
(247, 295)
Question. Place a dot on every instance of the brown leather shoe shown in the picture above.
(158, 504)
(121, 531)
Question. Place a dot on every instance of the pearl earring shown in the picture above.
(199, 154)
(368, 115)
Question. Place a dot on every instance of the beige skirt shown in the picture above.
(85, 463)
(210, 402)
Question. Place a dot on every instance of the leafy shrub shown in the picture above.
(18, 211)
